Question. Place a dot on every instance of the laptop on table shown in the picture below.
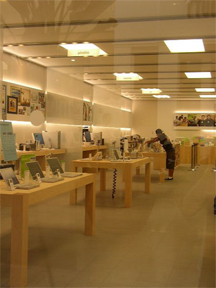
(55, 166)
(34, 169)
(9, 175)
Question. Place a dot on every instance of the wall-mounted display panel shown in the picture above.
(198, 120)
(111, 117)
(64, 110)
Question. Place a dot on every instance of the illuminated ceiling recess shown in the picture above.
(127, 76)
(83, 50)
(198, 74)
(181, 46)
(207, 96)
(161, 96)
(205, 89)
(150, 91)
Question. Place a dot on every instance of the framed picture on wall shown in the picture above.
(194, 119)
(12, 104)
(87, 112)
(4, 95)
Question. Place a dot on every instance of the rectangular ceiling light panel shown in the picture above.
(150, 91)
(181, 46)
(198, 74)
(205, 89)
(83, 50)
(127, 77)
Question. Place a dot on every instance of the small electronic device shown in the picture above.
(38, 137)
(116, 154)
(37, 173)
(97, 138)
(55, 166)
(87, 136)
(11, 180)
(52, 139)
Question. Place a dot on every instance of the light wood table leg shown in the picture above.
(161, 173)
(128, 186)
(90, 209)
(102, 179)
(138, 171)
(73, 193)
(19, 241)
(147, 177)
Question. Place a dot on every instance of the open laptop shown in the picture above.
(55, 166)
(8, 175)
(34, 169)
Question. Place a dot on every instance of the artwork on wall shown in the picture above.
(12, 104)
(4, 95)
(4, 99)
(15, 92)
(87, 112)
(194, 119)
(27, 100)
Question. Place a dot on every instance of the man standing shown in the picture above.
(170, 151)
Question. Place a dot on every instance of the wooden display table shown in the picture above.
(205, 154)
(159, 162)
(127, 168)
(41, 155)
(20, 200)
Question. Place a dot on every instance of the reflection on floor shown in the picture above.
(167, 239)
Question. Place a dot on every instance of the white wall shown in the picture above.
(150, 115)
(23, 72)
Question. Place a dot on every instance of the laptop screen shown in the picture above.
(34, 168)
(8, 173)
(54, 165)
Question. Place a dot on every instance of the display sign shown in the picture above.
(127, 77)
(194, 119)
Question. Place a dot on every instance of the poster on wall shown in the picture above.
(4, 96)
(15, 92)
(194, 120)
(24, 99)
(87, 112)
(12, 104)
(4, 100)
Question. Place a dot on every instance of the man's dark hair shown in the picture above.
(158, 131)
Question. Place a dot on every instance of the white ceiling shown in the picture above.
(131, 33)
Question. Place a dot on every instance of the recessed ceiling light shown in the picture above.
(161, 96)
(150, 90)
(180, 46)
(205, 89)
(20, 45)
(85, 49)
(207, 96)
(73, 60)
(127, 76)
(198, 74)
(48, 57)
(10, 45)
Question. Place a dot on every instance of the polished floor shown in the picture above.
(167, 239)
